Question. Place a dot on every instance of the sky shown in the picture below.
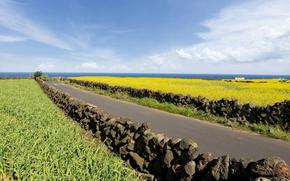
(146, 36)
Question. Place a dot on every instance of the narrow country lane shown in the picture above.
(210, 137)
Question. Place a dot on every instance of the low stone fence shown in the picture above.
(165, 158)
(277, 114)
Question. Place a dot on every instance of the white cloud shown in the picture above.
(12, 18)
(249, 32)
(90, 65)
(97, 54)
(46, 66)
(183, 54)
(10, 38)
(97, 67)
(122, 31)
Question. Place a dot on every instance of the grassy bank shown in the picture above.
(258, 92)
(270, 131)
(38, 142)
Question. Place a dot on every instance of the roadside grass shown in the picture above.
(266, 130)
(38, 142)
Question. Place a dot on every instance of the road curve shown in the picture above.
(210, 137)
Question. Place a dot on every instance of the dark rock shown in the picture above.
(237, 170)
(220, 169)
(123, 151)
(189, 168)
(168, 157)
(202, 160)
(170, 176)
(156, 167)
(121, 128)
(133, 127)
(159, 137)
(141, 143)
(130, 145)
(145, 176)
(176, 169)
(136, 135)
(125, 140)
(270, 167)
(113, 133)
(173, 141)
(136, 161)
(262, 179)
(177, 152)
(151, 156)
(185, 143)
(279, 179)
(143, 127)
(189, 155)
(153, 143)
(185, 177)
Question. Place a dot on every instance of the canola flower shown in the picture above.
(255, 91)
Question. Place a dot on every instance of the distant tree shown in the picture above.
(38, 74)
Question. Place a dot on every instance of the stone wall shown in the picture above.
(277, 114)
(165, 158)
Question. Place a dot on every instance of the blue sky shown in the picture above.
(158, 36)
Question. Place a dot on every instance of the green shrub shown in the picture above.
(38, 74)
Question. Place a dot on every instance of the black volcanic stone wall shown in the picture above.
(277, 114)
(165, 158)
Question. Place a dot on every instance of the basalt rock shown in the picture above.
(270, 167)
(136, 161)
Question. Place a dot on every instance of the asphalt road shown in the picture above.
(210, 137)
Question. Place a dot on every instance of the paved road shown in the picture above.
(210, 137)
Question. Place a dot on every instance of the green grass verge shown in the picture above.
(38, 142)
(266, 130)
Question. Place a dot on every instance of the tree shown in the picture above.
(38, 74)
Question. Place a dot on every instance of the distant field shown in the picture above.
(37, 141)
(258, 91)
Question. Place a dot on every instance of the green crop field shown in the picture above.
(37, 141)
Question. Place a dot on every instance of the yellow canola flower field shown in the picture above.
(255, 91)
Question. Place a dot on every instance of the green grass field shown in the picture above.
(37, 141)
